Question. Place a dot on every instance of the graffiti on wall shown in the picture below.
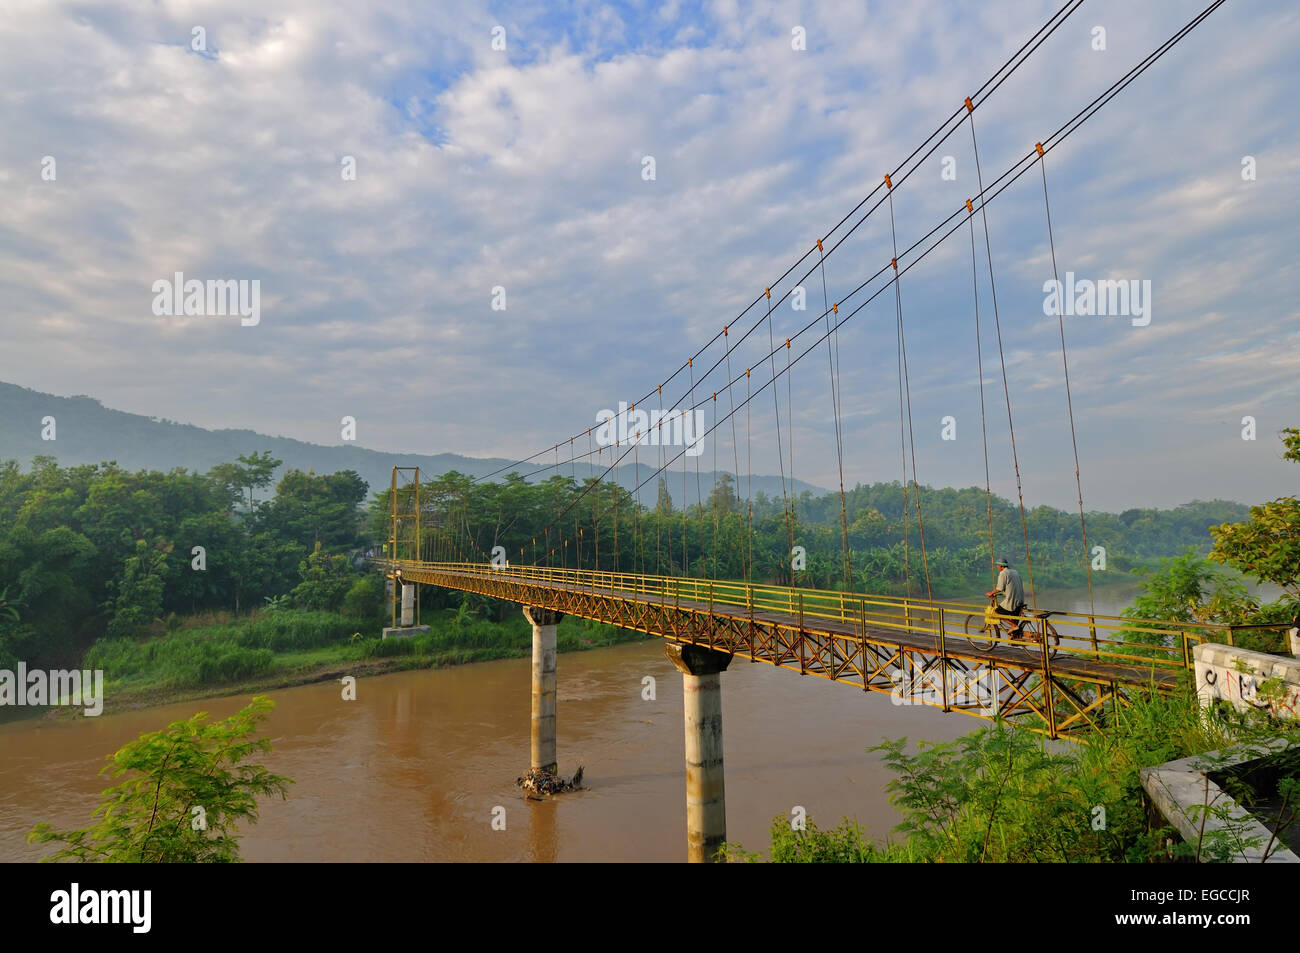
(1249, 689)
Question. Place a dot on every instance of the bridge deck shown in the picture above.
(917, 651)
(1072, 661)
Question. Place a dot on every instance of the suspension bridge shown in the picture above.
(914, 647)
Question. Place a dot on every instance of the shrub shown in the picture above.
(219, 654)
(365, 598)
(189, 770)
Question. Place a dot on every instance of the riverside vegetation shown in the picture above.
(182, 584)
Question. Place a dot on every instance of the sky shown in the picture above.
(459, 244)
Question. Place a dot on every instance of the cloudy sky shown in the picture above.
(217, 140)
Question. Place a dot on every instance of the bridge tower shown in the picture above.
(404, 543)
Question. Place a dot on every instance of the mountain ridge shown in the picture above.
(85, 431)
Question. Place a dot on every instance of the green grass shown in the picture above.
(215, 652)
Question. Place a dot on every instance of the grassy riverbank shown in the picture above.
(216, 654)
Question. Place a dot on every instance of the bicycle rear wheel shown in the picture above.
(1053, 639)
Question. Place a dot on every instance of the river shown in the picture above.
(413, 768)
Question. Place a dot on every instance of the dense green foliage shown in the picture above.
(90, 551)
(186, 790)
(1191, 589)
(1194, 590)
(1005, 794)
(1267, 546)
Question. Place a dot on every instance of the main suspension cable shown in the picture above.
(990, 85)
(1012, 174)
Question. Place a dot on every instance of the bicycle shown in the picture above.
(984, 632)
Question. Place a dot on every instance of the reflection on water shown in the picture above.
(413, 768)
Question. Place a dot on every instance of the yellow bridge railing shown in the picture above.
(956, 626)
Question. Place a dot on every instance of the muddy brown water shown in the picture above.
(414, 767)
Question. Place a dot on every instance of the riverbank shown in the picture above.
(214, 656)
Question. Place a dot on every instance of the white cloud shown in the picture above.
(478, 168)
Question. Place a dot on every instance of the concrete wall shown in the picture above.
(1236, 676)
(1181, 790)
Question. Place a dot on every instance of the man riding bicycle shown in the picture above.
(1010, 592)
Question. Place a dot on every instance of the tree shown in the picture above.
(256, 473)
(664, 503)
(869, 529)
(1186, 589)
(8, 616)
(1267, 546)
(189, 786)
(8, 607)
(723, 497)
(310, 509)
(365, 598)
(325, 581)
(50, 576)
(140, 592)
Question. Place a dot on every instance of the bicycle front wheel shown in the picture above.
(978, 634)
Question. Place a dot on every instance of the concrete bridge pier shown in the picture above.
(408, 604)
(706, 806)
(544, 623)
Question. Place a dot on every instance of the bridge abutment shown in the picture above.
(408, 629)
(545, 623)
(706, 806)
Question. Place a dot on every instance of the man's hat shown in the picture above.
(1003, 561)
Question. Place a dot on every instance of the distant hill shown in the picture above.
(89, 432)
